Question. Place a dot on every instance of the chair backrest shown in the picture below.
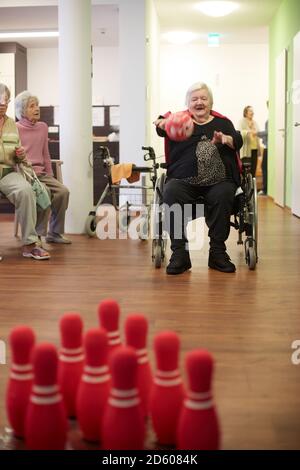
(56, 167)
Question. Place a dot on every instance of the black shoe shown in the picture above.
(179, 262)
(221, 262)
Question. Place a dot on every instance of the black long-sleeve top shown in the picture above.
(182, 161)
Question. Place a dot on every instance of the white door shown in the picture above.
(280, 108)
(296, 129)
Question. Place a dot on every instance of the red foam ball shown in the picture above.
(179, 126)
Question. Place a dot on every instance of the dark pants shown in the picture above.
(264, 168)
(253, 161)
(218, 203)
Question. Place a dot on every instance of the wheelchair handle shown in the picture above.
(150, 155)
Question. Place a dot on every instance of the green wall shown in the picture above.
(283, 27)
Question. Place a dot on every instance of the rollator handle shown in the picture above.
(150, 155)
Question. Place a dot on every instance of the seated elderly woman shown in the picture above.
(204, 165)
(13, 185)
(34, 139)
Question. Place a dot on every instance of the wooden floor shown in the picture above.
(248, 320)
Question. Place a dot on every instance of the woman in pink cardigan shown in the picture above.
(34, 138)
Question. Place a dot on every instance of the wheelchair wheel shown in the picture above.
(90, 224)
(251, 257)
(255, 215)
(252, 208)
(157, 253)
(251, 222)
(158, 243)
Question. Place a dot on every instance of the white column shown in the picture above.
(132, 80)
(75, 108)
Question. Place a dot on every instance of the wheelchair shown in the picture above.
(245, 216)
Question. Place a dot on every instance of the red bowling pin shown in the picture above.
(21, 340)
(167, 392)
(109, 314)
(123, 424)
(46, 422)
(71, 359)
(198, 426)
(94, 386)
(136, 328)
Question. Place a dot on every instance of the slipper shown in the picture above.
(37, 253)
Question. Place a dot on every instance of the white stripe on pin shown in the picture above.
(71, 358)
(21, 367)
(45, 390)
(124, 393)
(167, 373)
(15, 376)
(95, 380)
(167, 382)
(199, 395)
(123, 403)
(71, 351)
(45, 400)
(198, 405)
(96, 370)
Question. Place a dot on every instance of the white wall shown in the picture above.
(237, 75)
(106, 76)
(133, 79)
(43, 77)
(152, 71)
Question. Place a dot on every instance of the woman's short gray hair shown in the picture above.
(198, 86)
(4, 89)
(21, 103)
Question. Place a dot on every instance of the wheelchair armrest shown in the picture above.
(163, 165)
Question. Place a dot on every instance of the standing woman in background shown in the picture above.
(249, 130)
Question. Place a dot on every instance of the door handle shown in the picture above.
(281, 130)
(297, 124)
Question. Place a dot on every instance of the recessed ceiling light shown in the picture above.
(179, 37)
(216, 8)
(29, 34)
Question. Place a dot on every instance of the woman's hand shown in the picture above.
(160, 123)
(20, 154)
(220, 138)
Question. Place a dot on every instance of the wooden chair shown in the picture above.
(56, 167)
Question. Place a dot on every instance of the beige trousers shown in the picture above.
(59, 196)
(20, 194)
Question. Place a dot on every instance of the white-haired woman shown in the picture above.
(13, 185)
(204, 165)
(34, 138)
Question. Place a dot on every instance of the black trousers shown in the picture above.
(264, 168)
(218, 202)
(253, 161)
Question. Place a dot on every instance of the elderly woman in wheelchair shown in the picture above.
(203, 166)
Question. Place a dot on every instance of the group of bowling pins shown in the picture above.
(109, 387)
